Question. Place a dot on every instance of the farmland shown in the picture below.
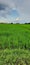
(14, 44)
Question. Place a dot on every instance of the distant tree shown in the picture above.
(11, 23)
(27, 23)
(2, 23)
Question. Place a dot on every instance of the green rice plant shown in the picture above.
(15, 36)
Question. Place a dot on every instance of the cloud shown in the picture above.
(21, 6)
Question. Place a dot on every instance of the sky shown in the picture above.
(14, 11)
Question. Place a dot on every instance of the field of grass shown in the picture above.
(14, 44)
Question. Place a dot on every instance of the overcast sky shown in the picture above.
(15, 11)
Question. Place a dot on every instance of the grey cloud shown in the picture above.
(2, 7)
(22, 7)
(5, 7)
